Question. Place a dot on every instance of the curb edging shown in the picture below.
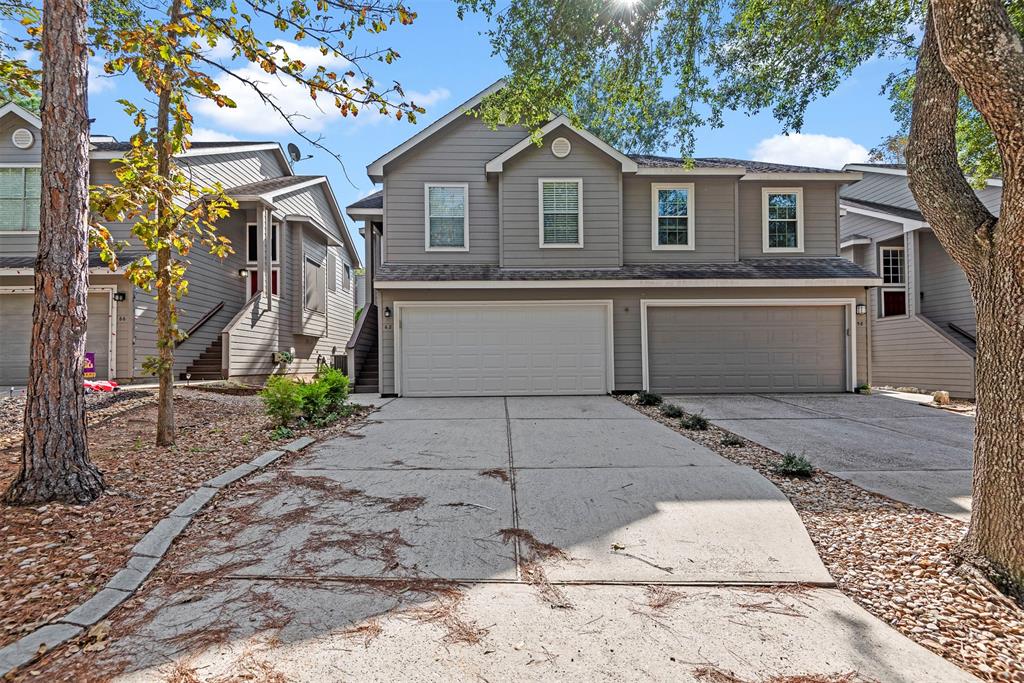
(145, 556)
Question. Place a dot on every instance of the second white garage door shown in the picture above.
(502, 349)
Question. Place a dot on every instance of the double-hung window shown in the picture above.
(252, 239)
(893, 295)
(446, 207)
(314, 285)
(782, 219)
(19, 199)
(561, 212)
(672, 216)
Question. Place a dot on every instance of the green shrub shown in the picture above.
(864, 389)
(282, 399)
(793, 465)
(646, 398)
(732, 440)
(696, 422)
(337, 384)
(671, 410)
(315, 402)
(281, 432)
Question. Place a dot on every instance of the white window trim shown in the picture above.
(690, 242)
(799, 192)
(426, 217)
(254, 273)
(881, 265)
(24, 165)
(881, 302)
(319, 264)
(274, 227)
(540, 213)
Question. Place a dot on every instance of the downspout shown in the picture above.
(867, 334)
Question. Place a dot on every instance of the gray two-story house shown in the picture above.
(500, 266)
(921, 319)
(288, 286)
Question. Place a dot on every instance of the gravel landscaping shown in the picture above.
(56, 556)
(893, 559)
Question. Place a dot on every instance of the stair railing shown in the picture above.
(199, 323)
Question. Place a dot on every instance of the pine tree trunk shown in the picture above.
(55, 453)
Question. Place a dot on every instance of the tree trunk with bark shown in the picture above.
(55, 462)
(973, 46)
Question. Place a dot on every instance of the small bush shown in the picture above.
(315, 401)
(282, 399)
(793, 465)
(696, 422)
(732, 440)
(864, 389)
(671, 410)
(337, 384)
(281, 432)
(646, 398)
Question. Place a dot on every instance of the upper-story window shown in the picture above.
(19, 199)
(782, 219)
(252, 242)
(446, 206)
(672, 216)
(561, 212)
(893, 294)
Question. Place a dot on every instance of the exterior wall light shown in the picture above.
(862, 309)
(120, 296)
(243, 272)
(387, 311)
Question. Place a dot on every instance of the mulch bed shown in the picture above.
(54, 557)
(894, 560)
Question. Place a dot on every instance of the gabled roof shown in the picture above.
(652, 161)
(112, 149)
(901, 170)
(373, 201)
(890, 209)
(496, 165)
(18, 110)
(273, 186)
(376, 168)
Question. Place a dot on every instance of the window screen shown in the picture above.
(561, 211)
(446, 214)
(19, 199)
(783, 231)
(673, 217)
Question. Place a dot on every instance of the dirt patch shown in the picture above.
(895, 560)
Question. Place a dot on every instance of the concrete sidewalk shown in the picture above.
(910, 452)
(501, 539)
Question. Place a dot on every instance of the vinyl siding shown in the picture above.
(231, 170)
(458, 154)
(520, 228)
(626, 318)
(894, 190)
(820, 219)
(946, 294)
(714, 224)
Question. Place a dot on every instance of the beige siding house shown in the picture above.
(498, 266)
(922, 316)
(289, 286)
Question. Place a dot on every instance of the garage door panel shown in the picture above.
(712, 349)
(504, 349)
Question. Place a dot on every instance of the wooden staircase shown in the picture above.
(363, 353)
(208, 365)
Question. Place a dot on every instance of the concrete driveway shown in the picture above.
(907, 451)
(502, 539)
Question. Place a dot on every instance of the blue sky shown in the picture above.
(444, 61)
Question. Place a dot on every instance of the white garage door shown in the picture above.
(496, 349)
(738, 349)
(16, 335)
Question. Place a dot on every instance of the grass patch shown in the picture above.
(695, 422)
(732, 440)
(671, 410)
(793, 465)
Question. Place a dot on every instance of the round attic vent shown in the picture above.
(560, 148)
(23, 138)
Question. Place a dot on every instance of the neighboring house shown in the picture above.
(288, 287)
(922, 318)
(497, 266)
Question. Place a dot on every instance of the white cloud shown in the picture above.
(809, 149)
(211, 135)
(253, 116)
(99, 81)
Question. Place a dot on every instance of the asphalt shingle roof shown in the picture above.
(655, 161)
(270, 185)
(373, 201)
(902, 212)
(752, 269)
(117, 146)
(94, 260)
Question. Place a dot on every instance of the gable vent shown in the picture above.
(560, 148)
(23, 138)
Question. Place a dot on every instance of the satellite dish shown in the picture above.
(294, 152)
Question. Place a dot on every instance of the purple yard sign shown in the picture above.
(90, 365)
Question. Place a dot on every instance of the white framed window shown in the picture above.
(252, 241)
(446, 212)
(253, 282)
(672, 216)
(560, 212)
(782, 219)
(892, 297)
(19, 199)
(314, 286)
